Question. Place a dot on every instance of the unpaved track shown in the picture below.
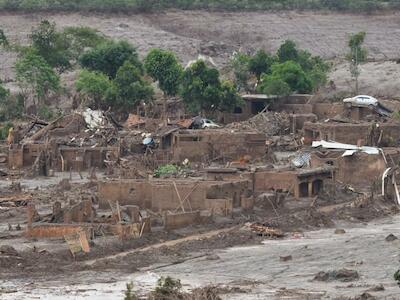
(159, 245)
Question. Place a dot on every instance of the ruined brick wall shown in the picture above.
(268, 180)
(297, 108)
(297, 121)
(126, 192)
(360, 169)
(203, 145)
(327, 110)
(15, 157)
(83, 159)
(350, 133)
(160, 195)
(180, 220)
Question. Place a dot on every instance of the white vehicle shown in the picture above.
(206, 123)
(361, 100)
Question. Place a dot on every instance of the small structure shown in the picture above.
(212, 144)
(300, 182)
(172, 195)
(372, 134)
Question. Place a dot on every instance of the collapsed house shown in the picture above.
(68, 143)
(372, 134)
(213, 144)
(300, 182)
(349, 160)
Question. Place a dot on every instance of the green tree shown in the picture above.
(129, 88)
(82, 37)
(292, 73)
(203, 91)
(51, 45)
(261, 63)
(200, 87)
(288, 51)
(318, 77)
(10, 107)
(35, 77)
(271, 85)
(229, 98)
(94, 86)
(356, 55)
(163, 67)
(109, 57)
(240, 66)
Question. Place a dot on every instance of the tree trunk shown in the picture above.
(165, 119)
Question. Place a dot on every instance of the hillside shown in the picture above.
(219, 34)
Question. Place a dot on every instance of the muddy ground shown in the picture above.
(42, 264)
(246, 265)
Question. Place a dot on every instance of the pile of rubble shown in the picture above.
(269, 123)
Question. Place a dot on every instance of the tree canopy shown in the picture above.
(109, 57)
(94, 85)
(261, 63)
(34, 75)
(288, 51)
(163, 66)
(51, 45)
(129, 88)
(202, 90)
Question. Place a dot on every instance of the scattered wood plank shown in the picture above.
(15, 200)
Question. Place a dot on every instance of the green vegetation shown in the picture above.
(129, 88)
(261, 63)
(240, 66)
(203, 91)
(163, 66)
(3, 39)
(93, 86)
(51, 45)
(4, 128)
(129, 293)
(356, 55)
(148, 5)
(167, 288)
(35, 77)
(10, 108)
(290, 70)
(166, 170)
(109, 57)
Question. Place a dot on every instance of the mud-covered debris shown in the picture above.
(212, 257)
(376, 288)
(364, 296)
(269, 123)
(343, 275)
(390, 238)
(64, 185)
(339, 231)
(264, 230)
(285, 258)
(8, 250)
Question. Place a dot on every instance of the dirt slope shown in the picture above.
(217, 34)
